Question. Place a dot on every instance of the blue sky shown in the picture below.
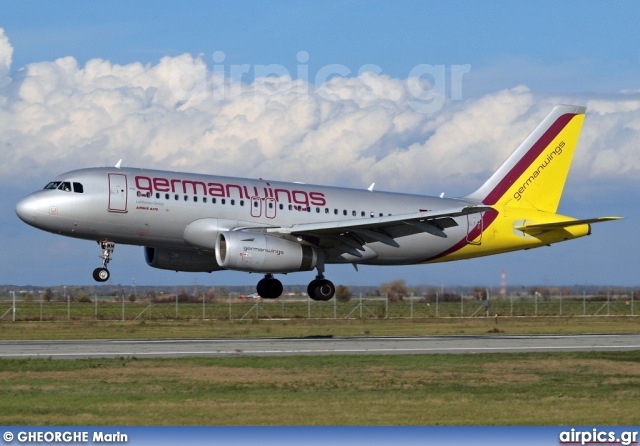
(84, 83)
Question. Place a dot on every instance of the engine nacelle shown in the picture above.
(255, 252)
(181, 260)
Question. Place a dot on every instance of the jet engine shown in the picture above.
(181, 260)
(256, 252)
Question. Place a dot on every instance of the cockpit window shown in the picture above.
(77, 188)
(52, 185)
(65, 186)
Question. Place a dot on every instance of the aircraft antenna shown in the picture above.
(370, 188)
(118, 164)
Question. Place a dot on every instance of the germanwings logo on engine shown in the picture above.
(229, 190)
(265, 250)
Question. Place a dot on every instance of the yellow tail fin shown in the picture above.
(534, 175)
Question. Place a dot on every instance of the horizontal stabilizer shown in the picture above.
(563, 224)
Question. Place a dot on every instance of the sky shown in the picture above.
(418, 96)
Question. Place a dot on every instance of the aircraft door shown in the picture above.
(474, 228)
(270, 207)
(117, 192)
(256, 207)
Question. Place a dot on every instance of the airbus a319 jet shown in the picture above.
(206, 223)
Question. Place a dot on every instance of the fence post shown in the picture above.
(177, 306)
(13, 318)
(386, 305)
(437, 306)
(535, 297)
(95, 312)
(411, 307)
(511, 302)
(229, 298)
(461, 305)
(584, 303)
(335, 307)
(608, 305)
(122, 306)
(203, 307)
(40, 311)
(360, 305)
(308, 307)
(632, 303)
(68, 306)
(560, 304)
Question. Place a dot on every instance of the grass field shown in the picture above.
(596, 388)
(82, 329)
(501, 389)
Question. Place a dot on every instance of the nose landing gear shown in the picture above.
(102, 274)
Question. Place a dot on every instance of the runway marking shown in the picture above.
(302, 351)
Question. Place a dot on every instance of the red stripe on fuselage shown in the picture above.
(487, 218)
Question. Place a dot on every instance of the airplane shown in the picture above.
(205, 223)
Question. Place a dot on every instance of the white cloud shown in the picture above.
(6, 54)
(57, 116)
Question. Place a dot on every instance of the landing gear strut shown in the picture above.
(102, 274)
(269, 287)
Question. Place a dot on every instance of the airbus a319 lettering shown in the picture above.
(206, 223)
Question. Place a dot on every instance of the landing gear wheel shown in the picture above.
(269, 288)
(321, 289)
(101, 274)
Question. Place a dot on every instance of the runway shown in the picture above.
(167, 348)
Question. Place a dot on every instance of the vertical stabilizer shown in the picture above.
(534, 175)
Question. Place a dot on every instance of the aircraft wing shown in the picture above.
(563, 224)
(350, 236)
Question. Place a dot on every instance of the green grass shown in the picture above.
(79, 329)
(503, 389)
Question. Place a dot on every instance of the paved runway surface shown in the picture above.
(148, 348)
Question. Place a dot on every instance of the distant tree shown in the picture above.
(82, 296)
(132, 298)
(222, 291)
(48, 295)
(343, 294)
(183, 296)
(396, 291)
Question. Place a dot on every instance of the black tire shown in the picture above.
(269, 288)
(101, 274)
(325, 290)
(322, 290)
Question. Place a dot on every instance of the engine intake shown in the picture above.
(255, 252)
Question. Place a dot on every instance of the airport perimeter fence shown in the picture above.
(359, 307)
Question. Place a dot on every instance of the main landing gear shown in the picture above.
(102, 274)
(321, 289)
(269, 287)
(318, 289)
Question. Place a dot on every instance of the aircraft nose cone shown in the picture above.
(26, 209)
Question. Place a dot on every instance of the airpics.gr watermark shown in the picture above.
(595, 436)
(425, 89)
(67, 437)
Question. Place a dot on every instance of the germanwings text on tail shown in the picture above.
(206, 223)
